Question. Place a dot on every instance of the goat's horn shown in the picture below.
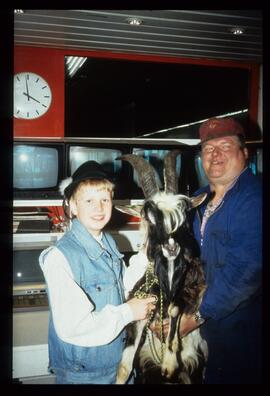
(146, 174)
(170, 177)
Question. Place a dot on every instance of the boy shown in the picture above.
(84, 277)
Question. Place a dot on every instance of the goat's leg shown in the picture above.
(126, 364)
(170, 363)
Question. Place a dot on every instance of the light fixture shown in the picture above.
(134, 21)
(74, 63)
(18, 12)
(237, 30)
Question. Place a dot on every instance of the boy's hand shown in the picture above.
(141, 307)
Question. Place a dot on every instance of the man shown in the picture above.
(228, 228)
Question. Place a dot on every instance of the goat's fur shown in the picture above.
(173, 251)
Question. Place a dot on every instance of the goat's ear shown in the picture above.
(198, 200)
(132, 210)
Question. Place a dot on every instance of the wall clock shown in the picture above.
(32, 96)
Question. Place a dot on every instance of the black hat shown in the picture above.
(88, 170)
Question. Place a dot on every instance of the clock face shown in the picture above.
(32, 96)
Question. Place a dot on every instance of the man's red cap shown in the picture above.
(219, 127)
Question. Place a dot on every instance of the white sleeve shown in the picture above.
(73, 314)
(136, 269)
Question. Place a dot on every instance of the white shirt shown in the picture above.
(74, 317)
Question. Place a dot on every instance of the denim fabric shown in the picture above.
(99, 273)
(102, 377)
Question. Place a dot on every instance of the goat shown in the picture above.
(174, 275)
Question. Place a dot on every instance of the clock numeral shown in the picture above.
(45, 86)
(18, 78)
(37, 79)
(44, 105)
(46, 96)
(18, 111)
(27, 114)
(27, 76)
(37, 112)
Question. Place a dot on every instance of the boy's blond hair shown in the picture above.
(98, 184)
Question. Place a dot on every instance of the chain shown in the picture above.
(157, 358)
(150, 280)
(143, 292)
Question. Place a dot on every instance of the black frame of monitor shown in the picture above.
(42, 193)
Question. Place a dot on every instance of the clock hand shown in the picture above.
(29, 96)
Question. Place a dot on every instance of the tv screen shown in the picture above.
(202, 179)
(107, 156)
(37, 170)
(255, 161)
(26, 268)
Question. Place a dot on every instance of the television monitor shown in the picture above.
(202, 179)
(107, 155)
(26, 269)
(38, 169)
(255, 161)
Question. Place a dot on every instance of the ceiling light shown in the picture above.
(237, 30)
(134, 21)
(74, 63)
(18, 11)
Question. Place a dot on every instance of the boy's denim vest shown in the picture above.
(99, 273)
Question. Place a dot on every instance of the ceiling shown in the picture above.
(182, 33)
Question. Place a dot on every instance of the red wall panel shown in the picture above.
(48, 63)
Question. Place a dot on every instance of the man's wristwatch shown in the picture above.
(198, 318)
